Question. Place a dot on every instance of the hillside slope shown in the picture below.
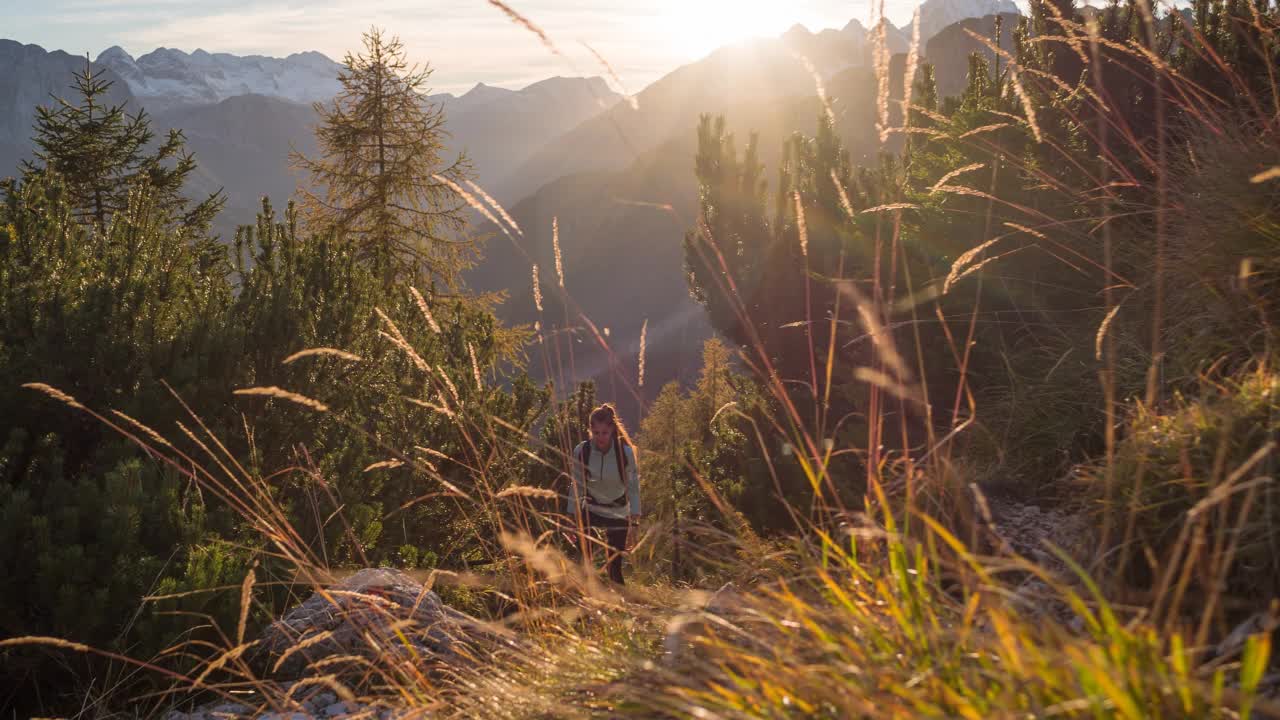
(32, 76)
(622, 234)
(758, 71)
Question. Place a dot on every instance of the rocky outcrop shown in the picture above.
(365, 628)
(317, 705)
(378, 615)
(949, 50)
(938, 14)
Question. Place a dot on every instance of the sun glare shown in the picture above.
(699, 26)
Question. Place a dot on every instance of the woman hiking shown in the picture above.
(605, 492)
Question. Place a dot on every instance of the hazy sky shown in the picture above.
(466, 41)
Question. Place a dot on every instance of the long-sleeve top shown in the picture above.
(603, 482)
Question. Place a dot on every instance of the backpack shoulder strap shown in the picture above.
(619, 452)
(583, 455)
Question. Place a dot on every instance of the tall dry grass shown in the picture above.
(910, 605)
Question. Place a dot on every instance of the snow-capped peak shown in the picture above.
(168, 77)
(115, 53)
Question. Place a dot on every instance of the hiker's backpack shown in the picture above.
(584, 457)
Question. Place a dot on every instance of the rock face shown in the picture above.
(949, 50)
(937, 14)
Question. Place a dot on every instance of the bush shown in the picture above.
(1224, 258)
(1191, 492)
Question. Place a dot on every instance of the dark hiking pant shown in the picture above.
(615, 533)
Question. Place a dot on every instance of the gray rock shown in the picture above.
(319, 701)
(341, 709)
(378, 614)
(725, 601)
(227, 710)
(1233, 644)
(316, 704)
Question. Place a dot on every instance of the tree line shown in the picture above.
(113, 292)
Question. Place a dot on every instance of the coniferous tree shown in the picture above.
(103, 153)
(733, 229)
(91, 523)
(381, 179)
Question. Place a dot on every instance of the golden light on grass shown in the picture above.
(942, 183)
(405, 348)
(880, 45)
(475, 366)
(801, 226)
(384, 465)
(1102, 332)
(890, 207)
(555, 246)
(44, 640)
(1015, 79)
(326, 681)
(221, 662)
(913, 61)
(431, 452)
(1028, 107)
(528, 491)
(322, 351)
(1265, 175)
(448, 382)
(424, 309)
(958, 267)
(881, 338)
(441, 407)
(888, 384)
(155, 436)
(246, 598)
(818, 86)
(54, 393)
(984, 129)
(1030, 231)
(537, 289)
(644, 332)
(471, 200)
(502, 212)
(527, 24)
(844, 196)
(391, 326)
(630, 99)
(396, 338)
(272, 391)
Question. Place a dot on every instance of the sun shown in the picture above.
(697, 27)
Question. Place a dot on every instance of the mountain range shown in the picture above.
(617, 176)
(243, 142)
(166, 78)
(243, 115)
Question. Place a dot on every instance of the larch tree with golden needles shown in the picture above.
(381, 179)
